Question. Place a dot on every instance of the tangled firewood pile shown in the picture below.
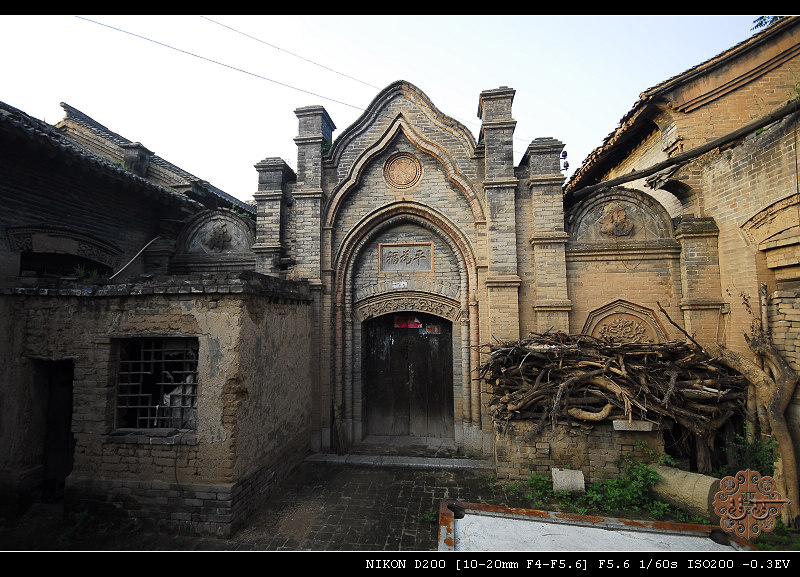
(558, 376)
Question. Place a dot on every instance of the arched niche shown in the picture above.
(619, 216)
(215, 240)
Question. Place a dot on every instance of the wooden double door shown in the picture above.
(408, 375)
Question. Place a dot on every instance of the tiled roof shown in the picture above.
(75, 115)
(649, 95)
(19, 125)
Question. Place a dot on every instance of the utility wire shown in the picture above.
(220, 63)
(258, 75)
(291, 53)
(232, 29)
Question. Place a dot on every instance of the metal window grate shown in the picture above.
(157, 386)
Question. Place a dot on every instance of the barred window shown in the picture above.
(157, 384)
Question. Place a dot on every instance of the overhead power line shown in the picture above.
(232, 29)
(237, 69)
(221, 63)
(291, 53)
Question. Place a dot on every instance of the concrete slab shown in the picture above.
(475, 527)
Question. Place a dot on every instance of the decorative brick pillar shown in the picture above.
(552, 304)
(700, 282)
(316, 130)
(502, 281)
(273, 177)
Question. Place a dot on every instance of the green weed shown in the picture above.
(428, 516)
(758, 455)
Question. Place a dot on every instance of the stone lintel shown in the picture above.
(308, 193)
(547, 180)
(268, 195)
(638, 426)
(696, 226)
(702, 303)
(265, 247)
(499, 183)
(510, 280)
(552, 305)
(309, 140)
(549, 237)
(499, 125)
(628, 251)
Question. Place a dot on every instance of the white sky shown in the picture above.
(574, 76)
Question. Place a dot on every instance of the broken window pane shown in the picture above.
(157, 385)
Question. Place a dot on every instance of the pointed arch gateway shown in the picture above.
(399, 234)
(404, 350)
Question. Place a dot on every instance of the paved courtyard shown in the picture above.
(332, 503)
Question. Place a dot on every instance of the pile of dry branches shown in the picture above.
(553, 376)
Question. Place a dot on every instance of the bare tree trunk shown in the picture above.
(703, 454)
(774, 386)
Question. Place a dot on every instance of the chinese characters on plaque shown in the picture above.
(405, 257)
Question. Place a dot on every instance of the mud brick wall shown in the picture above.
(252, 366)
(594, 450)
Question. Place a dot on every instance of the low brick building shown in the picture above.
(213, 343)
(147, 369)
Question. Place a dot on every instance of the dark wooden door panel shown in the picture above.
(408, 375)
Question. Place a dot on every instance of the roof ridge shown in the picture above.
(85, 120)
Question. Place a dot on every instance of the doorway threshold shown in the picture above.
(404, 451)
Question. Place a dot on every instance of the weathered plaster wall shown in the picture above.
(269, 401)
(199, 474)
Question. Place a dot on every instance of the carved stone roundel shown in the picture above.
(402, 170)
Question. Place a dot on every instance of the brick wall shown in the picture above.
(253, 386)
(739, 184)
(595, 450)
(641, 266)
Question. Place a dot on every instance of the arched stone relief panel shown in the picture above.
(400, 99)
(406, 163)
(352, 306)
(409, 301)
(392, 216)
(626, 322)
(775, 230)
(216, 240)
(406, 256)
(217, 232)
(619, 216)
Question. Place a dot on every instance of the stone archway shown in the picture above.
(354, 309)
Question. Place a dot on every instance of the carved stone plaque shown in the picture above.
(402, 170)
(624, 329)
(406, 257)
(625, 322)
(415, 301)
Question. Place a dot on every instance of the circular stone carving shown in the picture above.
(402, 170)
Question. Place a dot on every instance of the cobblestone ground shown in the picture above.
(324, 507)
